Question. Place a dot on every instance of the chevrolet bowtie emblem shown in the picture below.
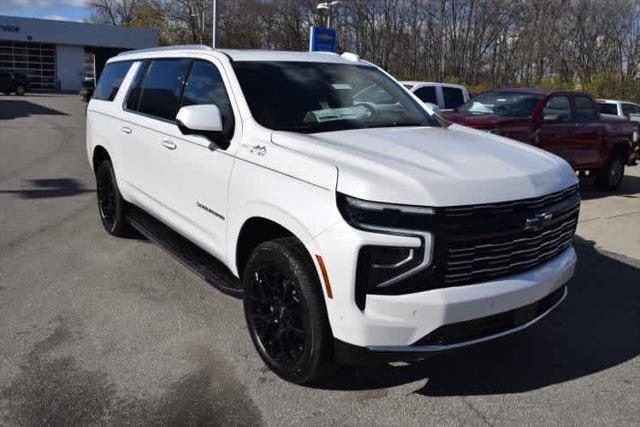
(538, 222)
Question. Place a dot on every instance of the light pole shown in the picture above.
(327, 5)
(214, 19)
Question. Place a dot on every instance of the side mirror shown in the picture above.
(204, 120)
(551, 118)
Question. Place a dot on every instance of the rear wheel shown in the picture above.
(285, 311)
(20, 90)
(610, 176)
(111, 205)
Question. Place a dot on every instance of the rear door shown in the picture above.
(556, 128)
(588, 134)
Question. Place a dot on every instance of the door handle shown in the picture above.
(125, 129)
(168, 144)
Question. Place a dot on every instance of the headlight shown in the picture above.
(374, 216)
(384, 269)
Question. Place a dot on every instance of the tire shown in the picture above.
(610, 176)
(111, 205)
(285, 311)
(20, 90)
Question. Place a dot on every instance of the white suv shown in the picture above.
(354, 228)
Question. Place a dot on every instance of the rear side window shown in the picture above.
(427, 94)
(205, 86)
(584, 110)
(607, 108)
(628, 109)
(110, 80)
(162, 87)
(453, 97)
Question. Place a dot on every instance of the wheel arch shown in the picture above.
(257, 229)
(100, 154)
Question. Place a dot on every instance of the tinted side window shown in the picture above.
(205, 86)
(133, 99)
(453, 97)
(584, 110)
(558, 106)
(162, 87)
(110, 80)
(608, 108)
(427, 94)
(628, 109)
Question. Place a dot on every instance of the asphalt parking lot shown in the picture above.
(99, 330)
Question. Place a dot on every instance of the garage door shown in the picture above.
(36, 60)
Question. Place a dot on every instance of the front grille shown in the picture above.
(490, 241)
(476, 243)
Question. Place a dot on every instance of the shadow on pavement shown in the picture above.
(596, 328)
(47, 188)
(630, 187)
(12, 109)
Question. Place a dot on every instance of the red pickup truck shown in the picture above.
(565, 123)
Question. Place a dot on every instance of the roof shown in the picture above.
(416, 83)
(247, 55)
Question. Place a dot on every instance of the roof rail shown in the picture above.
(168, 49)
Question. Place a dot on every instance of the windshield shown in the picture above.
(319, 97)
(505, 104)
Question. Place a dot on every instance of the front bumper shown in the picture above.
(394, 322)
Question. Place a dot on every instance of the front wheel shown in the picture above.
(610, 176)
(20, 90)
(285, 311)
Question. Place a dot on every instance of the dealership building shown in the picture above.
(59, 55)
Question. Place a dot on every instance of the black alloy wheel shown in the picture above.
(285, 311)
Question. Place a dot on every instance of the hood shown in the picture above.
(433, 166)
(482, 121)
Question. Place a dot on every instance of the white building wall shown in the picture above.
(69, 63)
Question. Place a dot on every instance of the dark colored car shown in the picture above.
(12, 82)
(565, 123)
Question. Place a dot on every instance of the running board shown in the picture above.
(189, 254)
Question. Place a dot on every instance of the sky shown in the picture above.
(66, 10)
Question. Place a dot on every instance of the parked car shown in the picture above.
(353, 231)
(445, 96)
(13, 82)
(86, 90)
(565, 123)
(625, 110)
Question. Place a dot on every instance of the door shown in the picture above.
(202, 169)
(588, 134)
(556, 128)
(148, 128)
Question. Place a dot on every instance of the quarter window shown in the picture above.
(162, 87)
(427, 94)
(559, 108)
(584, 110)
(205, 86)
(110, 80)
(453, 97)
